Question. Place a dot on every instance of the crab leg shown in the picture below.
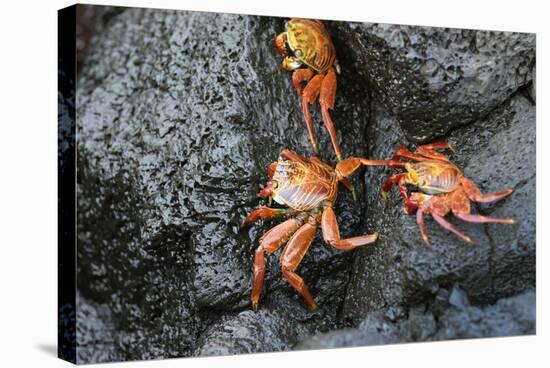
(437, 145)
(331, 233)
(450, 227)
(326, 100)
(349, 187)
(266, 213)
(403, 152)
(309, 95)
(293, 254)
(420, 220)
(478, 219)
(461, 209)
(427, 150)
(269, 243)
(398, 179)
(299, 76)
(438, 208)
(473, 192)
(348, 166)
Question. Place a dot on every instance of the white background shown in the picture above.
(28, 182)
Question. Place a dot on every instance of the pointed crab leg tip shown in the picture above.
(452, 148)
(313, 307)
(511, 221)
(255, 306)
(245, 222)
(426, 241)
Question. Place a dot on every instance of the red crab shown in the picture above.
(443, 189)
(308, 187)
(309, 52)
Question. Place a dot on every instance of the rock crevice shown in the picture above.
(179, 115)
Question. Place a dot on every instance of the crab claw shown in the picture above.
(280, 43)
(262, 213)
(267, 213)
(266, 191)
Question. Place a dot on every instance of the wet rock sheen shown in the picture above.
(179, 115)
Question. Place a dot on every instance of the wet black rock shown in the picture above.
(179, 115)
(434, 79)
(496, 152)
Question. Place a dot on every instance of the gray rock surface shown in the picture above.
(94, 332)
(251, 332)
(179, 114)
(436, 79)
(508, 317)
(497, 152)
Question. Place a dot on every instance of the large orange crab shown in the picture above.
(443, 189)
(308, 187)
(309, 52)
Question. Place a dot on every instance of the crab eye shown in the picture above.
(298, 53)
(274, 184)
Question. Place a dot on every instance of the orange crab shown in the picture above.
(443, 189)
(309, 52)
(308, 187)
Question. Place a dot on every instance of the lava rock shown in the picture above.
(508, 317)
(251, 332)
(435, 79)
(496, 152)
(179, 115)
(94, 337)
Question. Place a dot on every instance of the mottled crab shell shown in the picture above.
(435, 177)
(311, 44)
(302, 186)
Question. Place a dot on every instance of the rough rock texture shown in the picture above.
(179, 114)
(508, 317)
(497, 152)
(94, 332)
(251, 332)
(435, 79)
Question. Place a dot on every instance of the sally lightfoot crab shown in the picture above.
(309, 52)
(442, 189)
(308, 187)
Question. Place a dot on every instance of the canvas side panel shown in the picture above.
(66, 252)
